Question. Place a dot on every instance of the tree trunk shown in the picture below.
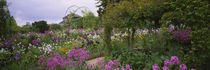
(128, 37)
(132, 37)
(157, 24)
(107, 40)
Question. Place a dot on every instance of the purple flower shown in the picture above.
(182, 67)
(41, 60)
(36, 42)
(107, 67)
(80, 30)
(117, 69)
(167, 62)
(76, 46)
(52, 63)
(165, 68)
(102, 63)
(128, 67)
(122, 68)
(193, 69)
(155, 67)
(116, 62)
(89, 65)
(68, 31)
(46, 32)
(97, 42)
(17, 56)
(174, 60)
(111, 63)
(182, 36)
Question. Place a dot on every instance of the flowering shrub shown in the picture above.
(112, 65)
(36, 42)
(167, 64)
(75, 57)
(182, 36)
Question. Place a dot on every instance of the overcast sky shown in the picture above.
(50, 10)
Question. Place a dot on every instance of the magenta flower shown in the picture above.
(167, 62)
(193, 69)
(41, 60)
(46, 32)
(155, 67)
(174, 60)
(182, 67)
(117, 69)
(107, 67)
(165, 68)
(68, 31)
(116, 62)
(122, 68)
(111, 63)
(36, 42)
(128, 67)
(182, 36)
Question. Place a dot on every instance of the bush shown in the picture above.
(40, 26)
(55, 27)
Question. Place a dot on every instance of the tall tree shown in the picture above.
(103, 5)
(7, 22)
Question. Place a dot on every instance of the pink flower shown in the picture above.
(165, 68)
(111, 63)
(122, 68)
(174, 60)
(117, 69)
(107, 67)
(182, 67)
(193, 69)
(116, 62)
(128, 67)
(155, 67)
(167, 62)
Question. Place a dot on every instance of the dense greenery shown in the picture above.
(8, 24)
(40, 26)
(127, 35)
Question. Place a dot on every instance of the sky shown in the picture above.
(50, 10)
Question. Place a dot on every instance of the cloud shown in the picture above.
(50, 10)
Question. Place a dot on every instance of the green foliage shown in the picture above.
(102, 5)
(40, 26)
(87, 21)
(152, 12)
(8, 25)
(55, 27)
(191, 13)
(198, 54)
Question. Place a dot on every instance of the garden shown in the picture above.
(127, 35)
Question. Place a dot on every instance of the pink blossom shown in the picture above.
(155, 67)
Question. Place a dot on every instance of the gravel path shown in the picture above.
(93, 61)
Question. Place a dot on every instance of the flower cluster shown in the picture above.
(41, 60)
(75, 57)
(68, 31)
(36, 42)
(112, 65)
(182, 36)
(78, 55)
(47, 32)
(174, 60)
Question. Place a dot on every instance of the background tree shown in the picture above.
(40, 26)
(55, 27)
(127, 17)
(194, 15)
(8, 24)
(102, 5)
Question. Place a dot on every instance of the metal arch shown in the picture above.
(78, 8)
